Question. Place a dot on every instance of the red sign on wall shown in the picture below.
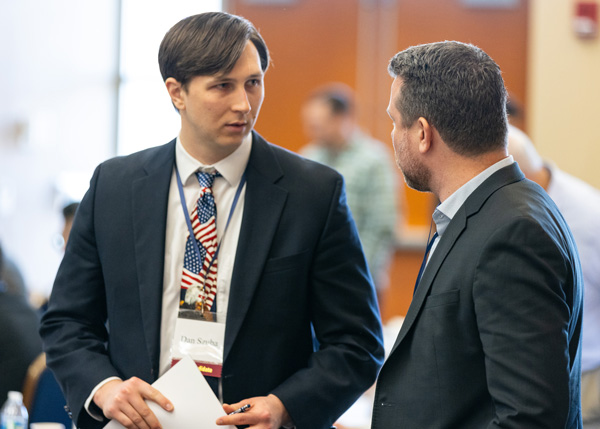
(585, 21)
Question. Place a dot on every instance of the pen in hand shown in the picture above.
(242, 409)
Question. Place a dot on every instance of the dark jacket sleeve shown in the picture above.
(346, 322)
(74, 327)
(525, 302)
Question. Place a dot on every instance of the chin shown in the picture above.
(420, 184)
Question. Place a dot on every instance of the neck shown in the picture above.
(207, 153)
(458, 170)
(206, 157)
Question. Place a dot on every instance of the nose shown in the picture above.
(241, 103)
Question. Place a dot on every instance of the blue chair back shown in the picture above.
(43, 396)
(49, 402)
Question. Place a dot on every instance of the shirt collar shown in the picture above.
(231, 168)
(444, 212)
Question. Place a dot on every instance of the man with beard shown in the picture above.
(492, 336)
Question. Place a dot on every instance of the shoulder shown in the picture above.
(138, 163)
(522, 213)
(521, 200)
(142, 157)
(507, 199)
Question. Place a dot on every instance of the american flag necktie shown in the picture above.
(198, 289)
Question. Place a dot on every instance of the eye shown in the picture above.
(223, 85)
(254, 82)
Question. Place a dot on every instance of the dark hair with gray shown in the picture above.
(459, 89)
(207, 44)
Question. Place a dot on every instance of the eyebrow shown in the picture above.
(225, 76)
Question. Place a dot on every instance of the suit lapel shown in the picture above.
(456, 227)
(263, 205)
(149, 205)
(472, 205)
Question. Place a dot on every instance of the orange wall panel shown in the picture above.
(317, 41)
(311, 42)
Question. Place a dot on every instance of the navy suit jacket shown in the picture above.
(298, 264)
(492, 336)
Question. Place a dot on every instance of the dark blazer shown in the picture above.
(492, 336)
(298, 263)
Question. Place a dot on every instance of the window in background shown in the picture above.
(146, 116)
(57, 120)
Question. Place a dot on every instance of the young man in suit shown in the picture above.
(492, 336)
(289, 261)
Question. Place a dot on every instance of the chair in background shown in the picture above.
(42, 395)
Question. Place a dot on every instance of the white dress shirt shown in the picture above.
(224, 188)
(579, 204)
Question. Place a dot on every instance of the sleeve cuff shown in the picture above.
(92, 409)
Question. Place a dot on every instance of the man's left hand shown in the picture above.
(266, 412)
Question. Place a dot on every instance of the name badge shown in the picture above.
(202, 338)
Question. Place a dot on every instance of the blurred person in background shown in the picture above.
(20, 342)
(579, 203)
(12, 277)
(68, 212)
(329, 121)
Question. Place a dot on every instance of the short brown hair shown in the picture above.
(207, 44)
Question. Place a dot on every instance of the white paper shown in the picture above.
(196, 406)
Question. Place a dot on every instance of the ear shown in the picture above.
(176, 92)
(425, 134)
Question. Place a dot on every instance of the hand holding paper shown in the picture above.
(127, 402)
(194, 401)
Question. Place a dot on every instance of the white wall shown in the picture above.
(146, 115)
(57, 120)
(60, 109)
(564, 90)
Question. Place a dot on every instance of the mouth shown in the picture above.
(238, 125)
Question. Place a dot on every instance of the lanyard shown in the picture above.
(189, 222)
